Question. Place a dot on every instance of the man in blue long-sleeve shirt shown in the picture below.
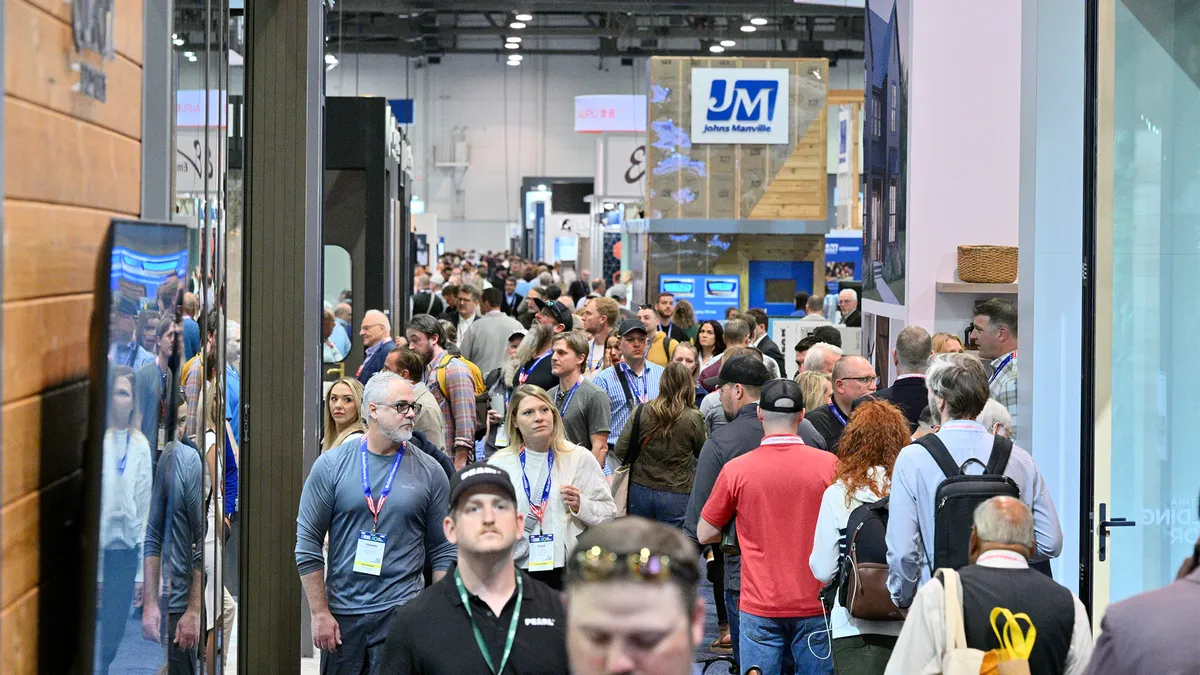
(381, 530)
(958, 390)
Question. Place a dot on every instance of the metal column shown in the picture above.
(281, 380)
(158, 112)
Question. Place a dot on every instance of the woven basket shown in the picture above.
(987, 264)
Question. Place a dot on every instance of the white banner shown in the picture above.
(621, 167)
(740, 105)
(610, 112)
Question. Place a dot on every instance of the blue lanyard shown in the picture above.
(567, 403)
(526, 371)
(125, 457)
(376, 509)
(633, 379)
(996, 373)
(537, 511)
(837, 413)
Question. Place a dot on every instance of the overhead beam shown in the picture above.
(767, 8)
(803, 51)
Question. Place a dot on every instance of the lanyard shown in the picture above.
(376, 509)
(526, 371)
(566, 404)
(133, 349)
(512, 624)
(538, 512)
(837, 413)
(783, 439)
(670, 324)
(633, 380)
(595, 364)
(996, 373)
(125, 457)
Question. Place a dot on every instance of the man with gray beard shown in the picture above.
(533, 356)
(381, 502)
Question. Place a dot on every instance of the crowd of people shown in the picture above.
(527, 479)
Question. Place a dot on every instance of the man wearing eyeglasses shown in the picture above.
(376, 334)
(632, 602)
(853, 378)
(381, 502)
(487, 616)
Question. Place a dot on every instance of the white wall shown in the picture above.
(472, 95)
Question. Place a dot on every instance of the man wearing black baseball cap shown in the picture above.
(776, 491)
(629, 382)
(486, 616)
(554, 314)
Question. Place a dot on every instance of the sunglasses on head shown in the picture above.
(597, 564)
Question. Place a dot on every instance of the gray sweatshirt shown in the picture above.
(175, 528)
(333, 503)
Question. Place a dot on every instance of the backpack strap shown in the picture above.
(940, 455)
(1001, 451)
(881, 505)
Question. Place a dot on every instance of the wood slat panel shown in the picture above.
(127, 23)
(45, 344)
(50, 249)
(43, 439)
(50, 157)
(19, 551)
(19, 636)
(36, 71)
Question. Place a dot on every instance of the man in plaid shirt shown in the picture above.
(995, 329)
(426, 336)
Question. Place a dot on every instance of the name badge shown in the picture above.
(368, 558)
(501, 436)
(541, 552)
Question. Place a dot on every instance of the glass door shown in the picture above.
(1147, 223)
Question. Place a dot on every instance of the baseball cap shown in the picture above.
(629, 325)
(517, 333)
(783, 396)
(480, 473)
(745, 370)
(555, 309)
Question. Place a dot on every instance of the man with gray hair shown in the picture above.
(999, 575)
(853, 377)
(381, 502)
(914, 346)
(821, 357)
(958, 391)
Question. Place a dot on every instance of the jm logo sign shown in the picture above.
(740, 105)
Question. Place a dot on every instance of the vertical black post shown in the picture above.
(281, 380)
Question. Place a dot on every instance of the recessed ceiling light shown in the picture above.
(514, 63)
(512, 39)
(331, 59)
(716, 49)
(189, 54)
(517, 25)
(758, 21)
(516, 57)
(524, 17)
(178, 42)
(192, 59)
(747, 28)
(727, 43)
(511, 45)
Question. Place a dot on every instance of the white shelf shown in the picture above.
(963, 287)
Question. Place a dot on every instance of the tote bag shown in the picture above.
(621, 477)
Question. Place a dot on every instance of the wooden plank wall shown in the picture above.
(70, 164)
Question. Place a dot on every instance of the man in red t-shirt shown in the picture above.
(775, 491)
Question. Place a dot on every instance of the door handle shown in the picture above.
(1105, 524)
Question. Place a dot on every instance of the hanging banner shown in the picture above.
(610, 112)
(740, 105)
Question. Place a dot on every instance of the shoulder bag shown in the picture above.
(621, 477)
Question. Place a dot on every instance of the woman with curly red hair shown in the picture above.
(867, 452)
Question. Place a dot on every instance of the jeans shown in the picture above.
(665, 507)
(764, 641)
(116, 598)
(731, 607)
(362, 644)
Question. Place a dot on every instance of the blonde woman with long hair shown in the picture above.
(343, 413)
(817, 388)
(560, 486)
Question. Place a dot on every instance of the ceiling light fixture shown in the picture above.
(511, 45)
(512, 39)
(747, 28)
(516, 57)
(189, 54)
(727, 43)
(716, 49)
(758, 21)
(178, 41)
(524, 16)
(517, 25)
(514, 63)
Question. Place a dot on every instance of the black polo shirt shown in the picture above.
(828, 425)
(432, 634)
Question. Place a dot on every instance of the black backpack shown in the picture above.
(958, 495)
(861, 579)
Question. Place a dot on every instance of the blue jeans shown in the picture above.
(665, 507)
(764, 642)
(731, 606)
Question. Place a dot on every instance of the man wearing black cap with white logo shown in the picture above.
(486, 616)
(632, 381)
(776, 491)
(553, 318)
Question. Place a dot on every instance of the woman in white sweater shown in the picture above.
(867, 451)
(561, 487)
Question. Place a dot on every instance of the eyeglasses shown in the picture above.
(402, 407)
(597, 564)
(865, 379)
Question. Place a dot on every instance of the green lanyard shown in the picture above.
(512, 625)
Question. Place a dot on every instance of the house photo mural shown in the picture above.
(885, 151)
